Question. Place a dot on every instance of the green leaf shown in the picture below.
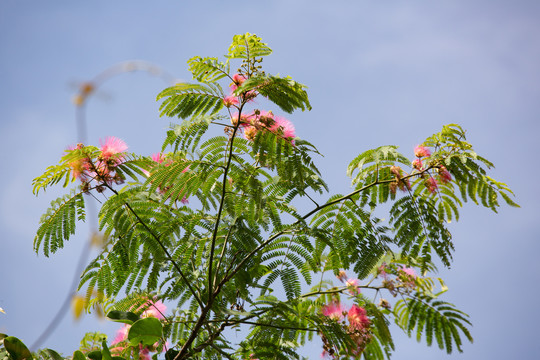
(145, 331)
(93, 355)
(78, 355)
(207, 69)
(247, 46)
(508, 200)
(105, 353)
(185, 100)
(53, 354)
(16, 349)
(63, 171)
(125, 317)
(286, 93)
(53, 174)
(375, 161)
(58, 223)
(435, 319)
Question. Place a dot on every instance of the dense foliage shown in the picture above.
(217, 227)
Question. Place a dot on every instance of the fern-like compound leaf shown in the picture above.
(375, 162)
(286, 93)
(433, 319)
(184, 100)
(58, 223)
(247, 46)
(208, 69)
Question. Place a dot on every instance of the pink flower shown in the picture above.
(237, 81)
(353, 285)
(260, 120)
(229, 101)
(417, 164)
(121, 334)
(409, 271)
(112, 146)
(144, 354)
(407, 276)
(283, 127)
(444, 175)
(333, 310)
(155, 309)
(358, 318)
(73, 147)
(421, 151)
(431, 185)
(158, 158)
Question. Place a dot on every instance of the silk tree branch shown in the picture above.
(309, 214)
(278, 234)
(229, 233)
(186, 280)
(211, 293)
(222, 201)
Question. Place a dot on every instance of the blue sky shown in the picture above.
(378, 72)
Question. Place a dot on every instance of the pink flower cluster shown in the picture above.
(405, 278)
(257, 120)
(400, 182)
(231, 99)
(444, 177)
(103, 168)
(238, 80)
(355, 315)
(358, 327)
(334, 311)
(420, 151)
(358, 317)
(264, 120)
(353, 285)
(431, 183)
(112, 147)
(154, 309)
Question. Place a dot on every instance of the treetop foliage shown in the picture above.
(214, 227)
